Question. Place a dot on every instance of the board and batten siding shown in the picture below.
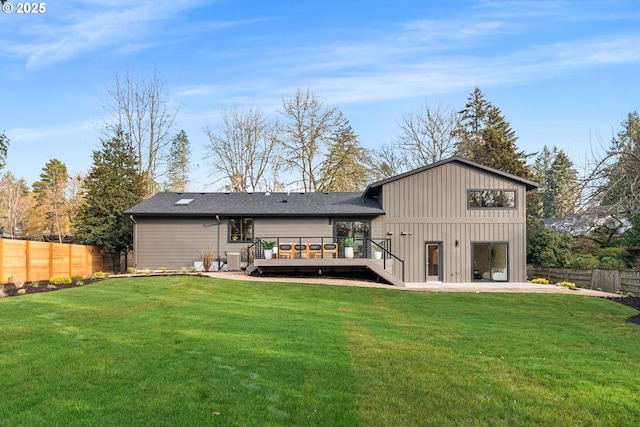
(431, 206)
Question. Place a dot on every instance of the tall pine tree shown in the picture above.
(486, 137)
(557, 177)
(112, 186)
(178, 163)
(50, 195)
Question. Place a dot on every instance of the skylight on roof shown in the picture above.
(183, 202)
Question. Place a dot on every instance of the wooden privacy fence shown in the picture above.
(30, 261)
(617, 281)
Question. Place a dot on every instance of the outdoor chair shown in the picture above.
(285, 251)
(315, 250)
(301, 250)
(330, 250)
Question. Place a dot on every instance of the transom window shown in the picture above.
(492, 198)
(241, 229)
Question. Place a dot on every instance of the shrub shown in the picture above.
(184, 270)
(60, 280)
(100, 275)
(34, 284)
(22, 291)
(19, 284)
(163, 269)
(546, 247)
(568, 285)
(79, 282)
(207, 258)
(77, 278)
(132, 270)
(583, 261)
(540, 281)
(610, 262)
(52, 286)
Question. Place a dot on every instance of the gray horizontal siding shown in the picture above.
(173, 243)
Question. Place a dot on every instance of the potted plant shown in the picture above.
(377, 250)
(268, 246)
(348, 247)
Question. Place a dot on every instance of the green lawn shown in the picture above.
(189, 351)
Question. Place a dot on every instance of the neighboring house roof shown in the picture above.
(374, 189)
(585, 222)
(258, 204)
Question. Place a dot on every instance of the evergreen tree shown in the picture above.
(50, 194)
(345, 167)
(472, 124)
(540, 169)
(178, 163)
(4, 148)
(486, 137)
(561, 186)
(112, 186)
(558, 183)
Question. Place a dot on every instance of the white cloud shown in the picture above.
(88, 26)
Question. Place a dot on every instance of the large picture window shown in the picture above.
(492, 198)
(240, 229)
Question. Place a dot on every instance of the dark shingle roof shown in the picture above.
(258, 204)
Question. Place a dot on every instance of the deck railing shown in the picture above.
(326, 248)
(322, 247)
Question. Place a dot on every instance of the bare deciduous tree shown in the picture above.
(15, 203)
(427, 135)
(140, 109)
(308, 128)
(241, 149)
(614, 178)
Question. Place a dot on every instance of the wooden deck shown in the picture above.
(319, 266)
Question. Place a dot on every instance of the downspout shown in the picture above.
(135, 242)
(218, 249)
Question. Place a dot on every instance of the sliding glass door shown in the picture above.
(358, 229)
(490, 261)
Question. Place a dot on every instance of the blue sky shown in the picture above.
(564, 73)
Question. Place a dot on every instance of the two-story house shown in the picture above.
(453, 221)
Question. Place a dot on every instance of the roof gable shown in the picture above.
(374, 189)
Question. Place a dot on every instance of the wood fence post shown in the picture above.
(87, 266)
(70, 260)
(27, 260)
(50, 260)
